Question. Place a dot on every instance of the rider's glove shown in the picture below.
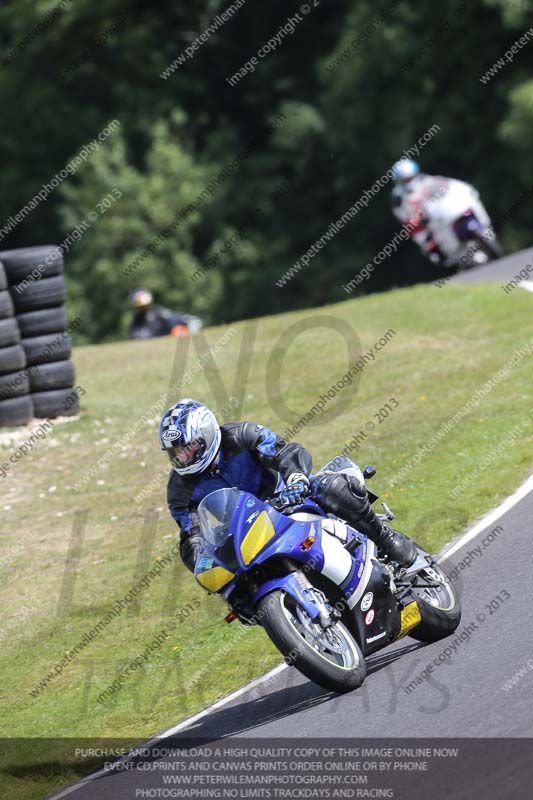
(297, 488)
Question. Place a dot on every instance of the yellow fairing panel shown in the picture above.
(214, 579)
(410, 617)
(259, 534)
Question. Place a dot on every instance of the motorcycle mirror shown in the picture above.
(369, 472)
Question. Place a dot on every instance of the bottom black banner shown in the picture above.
(404, 769)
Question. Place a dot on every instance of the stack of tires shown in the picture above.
(38, 292)
(16, 407)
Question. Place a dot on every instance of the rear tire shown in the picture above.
(442, 615)
(279, 617)
(3, 278)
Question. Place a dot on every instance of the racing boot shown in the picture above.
(343, 495)
(396, 545)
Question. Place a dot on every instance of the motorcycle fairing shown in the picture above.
(259, 533)
(209, 572)
(410, 616)
(375, 617)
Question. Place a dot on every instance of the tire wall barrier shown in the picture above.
(37, 377)
(16, 407)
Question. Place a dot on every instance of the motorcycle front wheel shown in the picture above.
(328, 656)
(491, 247)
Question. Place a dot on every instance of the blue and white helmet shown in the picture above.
(405, 169)
(190, 434)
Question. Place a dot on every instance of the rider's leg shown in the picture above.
(344, 495)
(189, 548)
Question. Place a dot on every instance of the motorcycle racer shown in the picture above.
(150, 320)
(413, 188)
(205, 456)
(444, 216)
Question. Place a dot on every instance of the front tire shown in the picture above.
(329, 657)
(440, 606)
(491, 247)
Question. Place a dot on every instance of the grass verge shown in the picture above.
(69, 554)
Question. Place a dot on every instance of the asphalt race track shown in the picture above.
(502, 271)
(463, 697)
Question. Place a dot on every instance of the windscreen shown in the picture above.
(215, 513)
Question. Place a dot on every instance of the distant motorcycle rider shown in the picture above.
(151, 320)
(205, 457)
(414, 188)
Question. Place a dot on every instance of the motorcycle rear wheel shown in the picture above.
(329, 657)
(440, 607)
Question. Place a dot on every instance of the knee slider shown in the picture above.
(337, 491)
(189, 548)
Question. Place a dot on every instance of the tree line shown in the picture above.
(218, 190)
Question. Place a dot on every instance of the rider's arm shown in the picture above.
(396, 202)
(164, 319)
(269, 448)
(184, 513)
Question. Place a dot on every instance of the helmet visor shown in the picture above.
(182, 456)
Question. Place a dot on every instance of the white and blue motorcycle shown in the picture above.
(323, 593)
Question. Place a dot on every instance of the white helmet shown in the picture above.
(190, 435)
(405, 170)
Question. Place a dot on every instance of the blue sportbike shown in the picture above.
(323, 593)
